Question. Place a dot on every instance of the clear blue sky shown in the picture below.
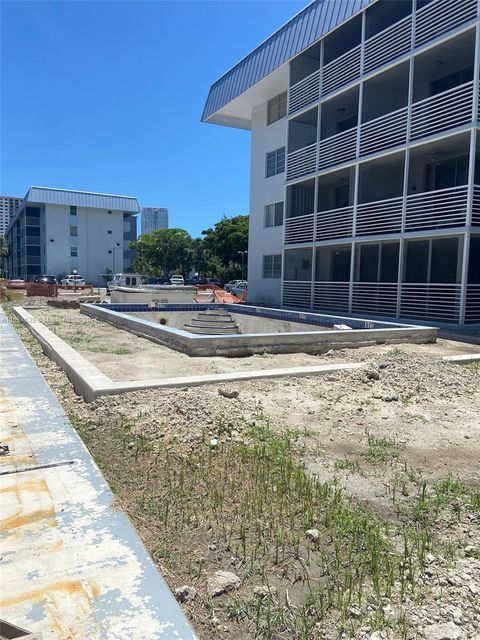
(107, 96)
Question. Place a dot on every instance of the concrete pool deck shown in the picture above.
(71, 564)
(91, 383)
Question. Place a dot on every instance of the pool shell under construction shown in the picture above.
(269, 330)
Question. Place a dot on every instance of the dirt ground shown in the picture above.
(402, 428)
(123, 356)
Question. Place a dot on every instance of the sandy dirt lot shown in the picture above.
(400, 439)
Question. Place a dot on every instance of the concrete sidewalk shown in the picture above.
(71, 565)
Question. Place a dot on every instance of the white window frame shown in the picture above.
(274, 271)
(277, 105)
(270, 214)
(278, 166)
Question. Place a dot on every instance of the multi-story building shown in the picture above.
(153, 218)
(365, 166)
(57, 230)
(8, 206)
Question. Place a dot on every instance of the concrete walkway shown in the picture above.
(71, 565)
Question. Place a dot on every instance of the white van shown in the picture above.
(125, 280)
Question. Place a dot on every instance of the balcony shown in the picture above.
(297, 293)
(389, 44)
(383, 216)
(442, 112)
(476, 206)
(341, 71)
(472, 308)
(441, 16)
(299, 229)
(436, 301)
(304, 92)
(337, 149)
(302, 162)
(437, 209)
(375, 298)
(385, 132)
(331, 296)
(337, 223)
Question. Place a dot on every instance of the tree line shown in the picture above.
(214, 255)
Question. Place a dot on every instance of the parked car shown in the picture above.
(177, 280)
(240, 289)
(73, 281)
(17, 283)
(46, 279)
(233, 283)
(161, 280)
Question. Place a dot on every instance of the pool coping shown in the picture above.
(91, 383)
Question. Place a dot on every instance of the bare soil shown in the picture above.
(400, 440)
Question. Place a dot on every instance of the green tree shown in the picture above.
(163, 251)
(225, 240)
(4, 251)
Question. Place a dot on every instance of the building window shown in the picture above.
(73, 252)
(109, 232)
(109, 212)
(73, 211)
(275, 162)
(277, 108)
(73, 230)
(274, 215)
(272, 266)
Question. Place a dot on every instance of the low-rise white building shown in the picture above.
(57, 230)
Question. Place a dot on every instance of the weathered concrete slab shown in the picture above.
(469, 357)
(71, 565)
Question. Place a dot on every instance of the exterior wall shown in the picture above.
(93, 241)
(263, 191)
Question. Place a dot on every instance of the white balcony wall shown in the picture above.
(264, 191)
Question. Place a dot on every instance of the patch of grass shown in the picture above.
(349, 464)
(381, 450)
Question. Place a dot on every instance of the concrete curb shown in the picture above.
(469, 357)
(91, 383)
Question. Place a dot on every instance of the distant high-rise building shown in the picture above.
(153, 218)
(8, 206)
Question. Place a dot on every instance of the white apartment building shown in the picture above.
(365, 163)
(153, 218)
(8, 205)
(57, 230)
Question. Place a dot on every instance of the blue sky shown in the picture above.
(107, 96)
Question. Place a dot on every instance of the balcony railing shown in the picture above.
(437, 209)
(375, 298)
(384, 132)
(299, 229)
(383, 216)
(297, 294)
(476, 206)
(304, 92)
(387, 45)
(336, 223)
(444, 111)
(441, 16)
(341, 71)
(472, 307)
(331, 296)
(434, 301)
(342, 147)
(302, 162)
